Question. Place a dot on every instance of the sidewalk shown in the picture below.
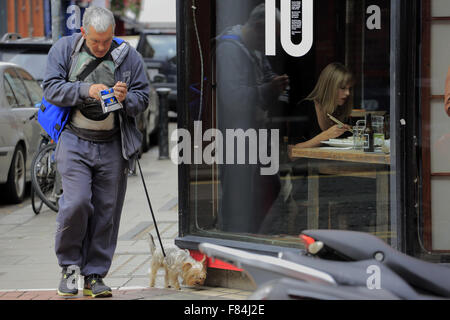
(202, 293)
(28, 265)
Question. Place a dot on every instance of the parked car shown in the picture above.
(147, 121)
(158, 47)
(31, 53)
(20, 97)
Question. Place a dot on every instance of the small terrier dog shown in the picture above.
(177, 263)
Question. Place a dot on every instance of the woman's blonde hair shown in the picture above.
(333, 77)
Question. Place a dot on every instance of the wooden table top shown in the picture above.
(360, 113)
(337, 154)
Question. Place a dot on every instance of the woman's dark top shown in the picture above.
(305, 124)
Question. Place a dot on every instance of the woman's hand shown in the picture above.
(336, 131)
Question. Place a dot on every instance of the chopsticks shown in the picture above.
(337, 121)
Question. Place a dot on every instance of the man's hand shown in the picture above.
(94, 90)
(280, 82)
(120, 91)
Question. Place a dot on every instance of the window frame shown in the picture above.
(7, 84)
(24, 87)
(398, 102)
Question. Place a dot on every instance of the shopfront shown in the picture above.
(260, 160)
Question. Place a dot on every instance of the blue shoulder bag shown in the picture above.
(53, 118)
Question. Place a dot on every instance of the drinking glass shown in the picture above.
(361, 123)
(358, 137)
(378, 131)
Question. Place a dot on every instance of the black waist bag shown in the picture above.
(53, 118)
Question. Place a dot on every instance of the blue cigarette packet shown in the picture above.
(109, 101)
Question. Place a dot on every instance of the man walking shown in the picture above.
(247, 89)
(95, 149)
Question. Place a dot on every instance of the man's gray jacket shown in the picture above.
(129, 68)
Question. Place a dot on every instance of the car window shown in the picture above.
(9, 93)
(33, 87)
(18, 88)
(160, 47)
(35, 63)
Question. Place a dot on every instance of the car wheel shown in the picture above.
(15, 186)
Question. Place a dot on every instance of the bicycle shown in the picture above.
(36, 202)
(45, 179)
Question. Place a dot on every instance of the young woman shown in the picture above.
(330, 95)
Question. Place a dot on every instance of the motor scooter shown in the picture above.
(425, 277)
(338, 265)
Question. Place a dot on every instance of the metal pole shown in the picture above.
(56, 20)
(163, 123)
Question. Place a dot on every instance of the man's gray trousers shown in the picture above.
(94, 178)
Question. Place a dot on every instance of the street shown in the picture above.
(28, 261)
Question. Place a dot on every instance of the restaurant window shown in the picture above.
(264, 160)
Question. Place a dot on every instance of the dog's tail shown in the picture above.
(151, 243)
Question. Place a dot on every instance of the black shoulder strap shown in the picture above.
(89, 68)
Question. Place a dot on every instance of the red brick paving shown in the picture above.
(53, 295)
(124, 294)
(13, 295)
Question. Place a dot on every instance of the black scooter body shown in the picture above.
(291, 289)
(425, 276)
(343, 280)
(358, 274)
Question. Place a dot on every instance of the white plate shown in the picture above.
(338, 144)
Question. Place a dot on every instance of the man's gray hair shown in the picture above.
(258, 14)
(99, 18)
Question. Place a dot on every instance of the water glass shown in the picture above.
(361, 123)
(358, 137)
(378, 131)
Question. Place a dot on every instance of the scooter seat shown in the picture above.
(425, 276)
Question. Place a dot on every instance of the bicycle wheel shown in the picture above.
(44, 176)
(36, 202)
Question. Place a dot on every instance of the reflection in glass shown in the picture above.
(160, 47)
(242, 89)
